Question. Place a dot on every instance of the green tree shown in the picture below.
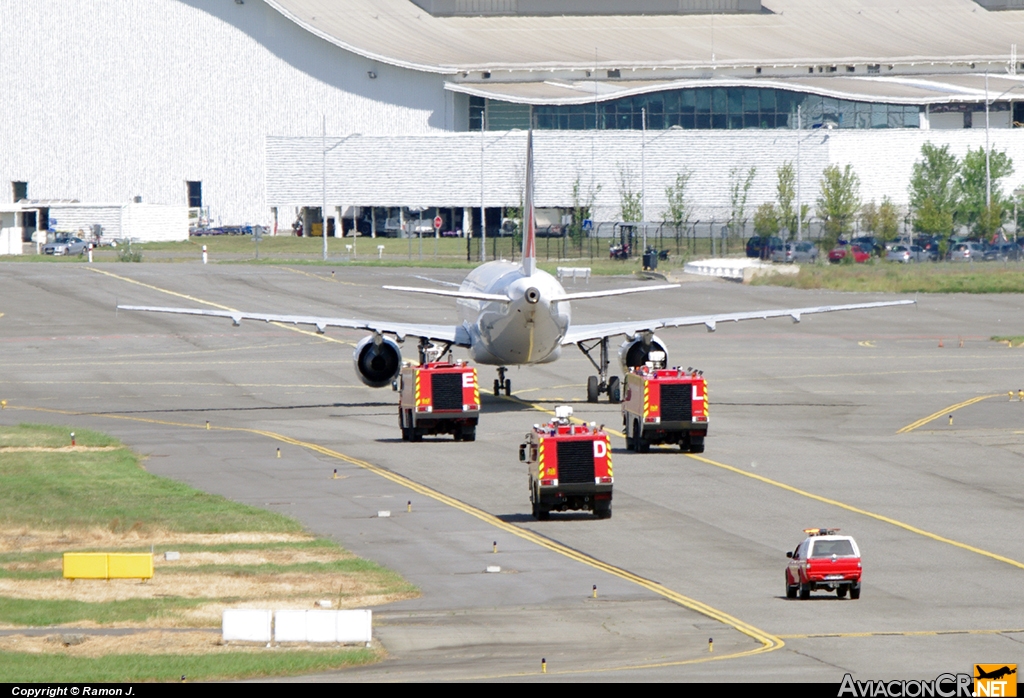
(838, 201)
(582, 207)
(869, 217)
(767, 220)
(930, 218)
(677, 212)
(786, 197)
(888, 220)
(882, 220)
(739, 191)
(934, 193)
(629, 198)
(971, 184)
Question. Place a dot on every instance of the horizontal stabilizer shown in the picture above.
(614, 292)
(467, 295)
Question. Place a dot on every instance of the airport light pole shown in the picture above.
(988, 159)
(323, 181)
(1017, 194)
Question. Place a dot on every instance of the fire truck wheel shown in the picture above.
(855, 590)
(603, 511)
(592, 387)
(790, 589)
(468, 434)
(841, 591)
(614, 390)
(415, 434)
(698, 448)
(541, 513)
(640, 444)
(805, 591)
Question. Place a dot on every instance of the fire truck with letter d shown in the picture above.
(569, 466)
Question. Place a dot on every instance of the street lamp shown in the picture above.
(323, 174)
(1017, 194)
(988, 159)
(799, 203)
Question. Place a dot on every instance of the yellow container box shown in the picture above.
(130, 566)
(85, 566)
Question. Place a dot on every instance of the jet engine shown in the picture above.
(378, 361)
(634, 352)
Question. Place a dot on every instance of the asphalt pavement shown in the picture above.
(804, 423)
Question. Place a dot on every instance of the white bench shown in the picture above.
(574, 273)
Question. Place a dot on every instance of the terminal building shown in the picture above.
(268, 111)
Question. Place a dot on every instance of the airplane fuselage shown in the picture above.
(528, 329)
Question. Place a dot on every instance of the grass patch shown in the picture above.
(883, 277)
(1013, 341)
(43, 612)
(47, 668)
(110, 489)
(32, 435)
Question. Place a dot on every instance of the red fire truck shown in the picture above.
(665, 406)
(438, 397)
(570, 467)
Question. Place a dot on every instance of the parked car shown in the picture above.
(826, 561)
(796, 252)
(930, 244)
(906, 254)
(870, 244)
(762, 247)
(838, 254)
(1003, 252)
(66, 246)
(967, 252)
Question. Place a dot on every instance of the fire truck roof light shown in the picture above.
(821, 531)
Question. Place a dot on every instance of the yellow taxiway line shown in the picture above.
(767, 641)
(948, 410)
(282, 325)
(834, 502)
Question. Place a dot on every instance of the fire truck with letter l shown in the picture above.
(665, 406)
(438, 397)
(570, 467)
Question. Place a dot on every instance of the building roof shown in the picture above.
(911, 90)
(794, 32)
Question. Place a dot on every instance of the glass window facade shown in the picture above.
(720, 108)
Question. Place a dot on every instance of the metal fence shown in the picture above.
(696, 238)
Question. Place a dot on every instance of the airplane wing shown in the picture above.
(613, 292)
(583, 333)
(455, 334)
(468, 295)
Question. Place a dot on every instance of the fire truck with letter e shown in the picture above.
(438, 397)
(569, 466)
(665, 406)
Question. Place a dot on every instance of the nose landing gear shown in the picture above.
(501, 383)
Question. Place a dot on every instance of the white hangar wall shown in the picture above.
(445, 170)
(111, 99)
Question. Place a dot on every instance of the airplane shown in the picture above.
(513, 315)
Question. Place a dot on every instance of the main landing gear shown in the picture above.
(501, 383)
(601, 383)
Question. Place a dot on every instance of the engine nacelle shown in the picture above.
(378, 361)
(633, 352)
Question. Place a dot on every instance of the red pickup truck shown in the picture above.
(825, 561)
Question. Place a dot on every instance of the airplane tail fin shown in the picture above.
(529, 222)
